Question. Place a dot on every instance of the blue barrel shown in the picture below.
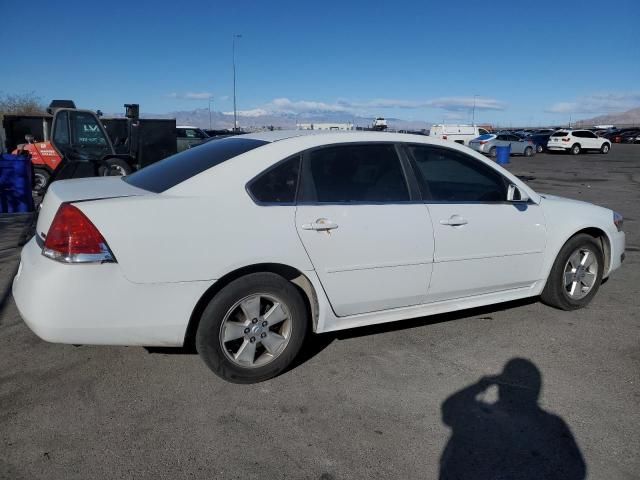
(15, 184)
(502, 154)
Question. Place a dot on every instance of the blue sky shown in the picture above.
(536, 62)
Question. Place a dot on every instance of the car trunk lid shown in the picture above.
(78, 190)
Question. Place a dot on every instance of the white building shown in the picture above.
(324, 126)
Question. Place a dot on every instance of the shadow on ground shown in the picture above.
(511, 437)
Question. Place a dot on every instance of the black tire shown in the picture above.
(575, 149)
(492, 152)
(555, 293)
(528, 152)
(208, 336)
(605, 148)
(539, 149)
(41, 179)
(115, 167)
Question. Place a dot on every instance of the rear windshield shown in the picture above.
(559, 134)
(486, 136)
(175, 169)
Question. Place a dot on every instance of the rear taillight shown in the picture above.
(566, 139)
(72, 238)
(482, 142)
(444, 137)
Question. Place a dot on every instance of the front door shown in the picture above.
(370, 244)
(483, 243)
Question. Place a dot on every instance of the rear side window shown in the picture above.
(365, 173)
(278, 185)
(449, 176)
(175, 169)
(559, 134)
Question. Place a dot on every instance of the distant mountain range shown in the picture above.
(630, 117)
(220, 120)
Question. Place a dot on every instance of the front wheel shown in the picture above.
(576, 274)
(253, 328)
(605, 148)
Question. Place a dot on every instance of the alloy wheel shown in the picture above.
(255, 330)
(580, 273)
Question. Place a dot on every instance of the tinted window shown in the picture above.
(450, 176)
(278, 184)
(86, 130)
(589, 135)
(61, 133)
(559, 134)
(502, 137)
(175, 169)
(356, 173)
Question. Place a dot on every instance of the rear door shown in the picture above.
(370, 240)
(483, 243)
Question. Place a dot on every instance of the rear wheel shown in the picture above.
(576, 274)
(605, 148)
(492, 152)
(41, 178)
(528, 151)
(253, 328)
(115, 167)
(539, 149)
(575, 149)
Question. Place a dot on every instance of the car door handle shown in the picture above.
(454, 221)
(320, 225)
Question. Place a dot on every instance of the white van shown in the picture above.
(457, 133)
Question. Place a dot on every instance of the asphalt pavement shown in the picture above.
(410, 400)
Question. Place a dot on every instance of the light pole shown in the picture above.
(473, 115)
(233, 54)
(210, 101)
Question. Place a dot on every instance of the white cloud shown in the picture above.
(456, 104)
(598, 103)
(191, 95)
(449, 104)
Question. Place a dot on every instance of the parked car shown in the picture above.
(632, 136)
(462, 134)
(189, 136)
(576, 141)
(244, 244)
(488, 143)
(540, 141)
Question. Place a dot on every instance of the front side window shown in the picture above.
(369, 173)
(61, 131)
(279, 184)
(86, 130)
(449, 176)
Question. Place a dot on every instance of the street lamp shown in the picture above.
(210, 102)
(473, 118)
(233, 54)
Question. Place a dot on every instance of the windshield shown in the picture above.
(175, 169)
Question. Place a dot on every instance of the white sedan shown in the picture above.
(243, 245)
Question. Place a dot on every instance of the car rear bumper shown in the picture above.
(478, 148)
(558, 146)
(95, 304)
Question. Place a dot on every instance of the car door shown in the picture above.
(483, 243)
(591, 140)
(370, 240)
(516, 143)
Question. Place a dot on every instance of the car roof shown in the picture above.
(187, 126)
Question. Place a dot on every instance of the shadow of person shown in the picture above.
(512, 438)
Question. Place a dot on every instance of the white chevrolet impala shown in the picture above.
(245, 244)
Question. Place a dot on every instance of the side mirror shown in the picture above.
(514, 194)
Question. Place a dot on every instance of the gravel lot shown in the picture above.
(365, 403)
